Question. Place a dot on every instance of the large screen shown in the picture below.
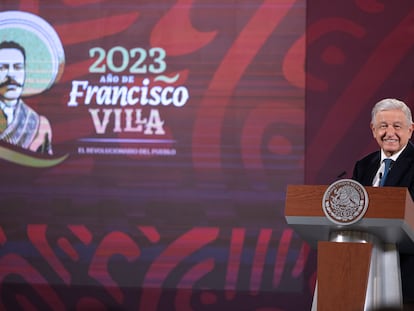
(145, 150)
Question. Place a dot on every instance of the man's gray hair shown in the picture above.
(391, 104)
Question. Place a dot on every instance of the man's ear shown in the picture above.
(372, 129)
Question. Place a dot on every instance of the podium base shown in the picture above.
(383, 285)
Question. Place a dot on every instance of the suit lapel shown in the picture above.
(372, 168)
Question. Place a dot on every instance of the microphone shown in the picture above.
(341, 175)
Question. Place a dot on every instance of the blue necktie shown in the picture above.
(386, 170)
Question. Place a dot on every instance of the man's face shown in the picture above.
(391, 130)
(12, 74)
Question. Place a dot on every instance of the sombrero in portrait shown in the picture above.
(45, 56)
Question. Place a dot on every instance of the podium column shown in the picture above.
(356, 272)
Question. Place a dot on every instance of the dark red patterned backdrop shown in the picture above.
(169, 196)
(172, 198)
(178, 204)
(358, 52)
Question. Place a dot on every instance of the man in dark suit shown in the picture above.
(392, 127)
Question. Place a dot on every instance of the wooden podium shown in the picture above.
(358, 264)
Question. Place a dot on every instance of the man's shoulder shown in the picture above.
(410, 147)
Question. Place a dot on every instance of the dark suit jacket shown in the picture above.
(400, 175)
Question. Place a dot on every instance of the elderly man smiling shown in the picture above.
(392, 165)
